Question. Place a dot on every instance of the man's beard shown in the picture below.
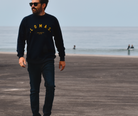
(36, 11)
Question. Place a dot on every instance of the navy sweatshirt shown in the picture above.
(40, 32)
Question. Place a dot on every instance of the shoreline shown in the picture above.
(117, 56)
(89, 55)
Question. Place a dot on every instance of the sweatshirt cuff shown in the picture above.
(20, 56)
(62, 58)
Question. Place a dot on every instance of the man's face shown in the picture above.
(36, 7)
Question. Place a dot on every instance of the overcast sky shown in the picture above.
(75, 12)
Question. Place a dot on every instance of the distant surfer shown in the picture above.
(128, 47)
(74, 47)
(132, 47)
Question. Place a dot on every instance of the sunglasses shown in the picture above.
(35, 3)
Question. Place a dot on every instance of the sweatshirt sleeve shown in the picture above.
(59, 41)
(21, 39)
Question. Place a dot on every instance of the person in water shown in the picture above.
(132, 47)
(128, 47)
(74, 47)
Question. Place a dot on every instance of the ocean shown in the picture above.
(88, 40)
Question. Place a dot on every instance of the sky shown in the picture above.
(96, 13)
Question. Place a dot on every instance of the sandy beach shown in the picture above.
(90, 85)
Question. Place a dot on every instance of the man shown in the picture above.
(38, 31)
(128, 47)
(132, 47)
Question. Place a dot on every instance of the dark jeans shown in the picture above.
(35, 71)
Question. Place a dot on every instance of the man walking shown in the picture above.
(38, 30)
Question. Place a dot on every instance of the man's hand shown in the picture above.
(62, 65)
(22, 62)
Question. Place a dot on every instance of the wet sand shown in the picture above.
(89, 86)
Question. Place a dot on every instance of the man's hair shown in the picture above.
(44, 1)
